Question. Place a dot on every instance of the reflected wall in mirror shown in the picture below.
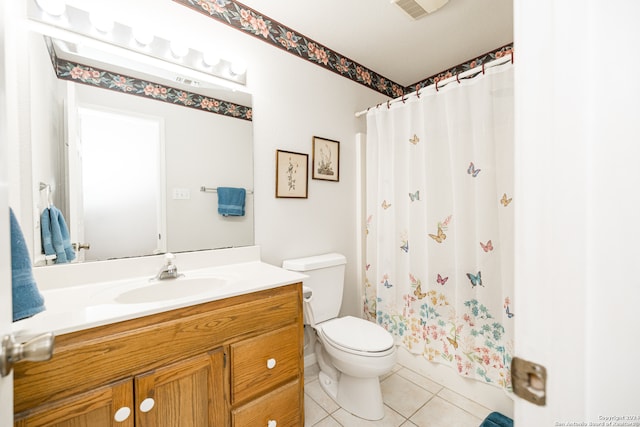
(199, 149)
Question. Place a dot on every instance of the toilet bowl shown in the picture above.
(352, 353)
(351, 362)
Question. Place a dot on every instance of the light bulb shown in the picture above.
(52, 7)
(210, 59)
(178, 49)
(101, 21)
(237, 68)
(142, 35)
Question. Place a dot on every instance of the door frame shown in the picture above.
(8, 13)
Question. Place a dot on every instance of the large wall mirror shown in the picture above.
(127, 171)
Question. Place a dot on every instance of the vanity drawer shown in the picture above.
(263, 362)
(280, 408)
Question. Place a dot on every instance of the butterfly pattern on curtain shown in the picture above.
(439, 273)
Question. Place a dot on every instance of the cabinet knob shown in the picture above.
(271, 363)
(122, 414)
(272, 423)
(147, 404)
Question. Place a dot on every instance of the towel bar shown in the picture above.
(215, 190)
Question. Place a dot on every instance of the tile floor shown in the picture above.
(410, 400)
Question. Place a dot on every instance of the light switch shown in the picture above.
(181, 194)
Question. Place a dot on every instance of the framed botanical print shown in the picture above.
(326, 159)
(292, 174)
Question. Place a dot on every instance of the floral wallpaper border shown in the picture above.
(252, 22)
(93, 76)
(465, 66)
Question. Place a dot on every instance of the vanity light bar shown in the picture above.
(187, 81)
(137, 39)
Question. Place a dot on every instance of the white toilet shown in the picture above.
(352, 353)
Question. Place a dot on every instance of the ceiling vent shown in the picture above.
(418, 8)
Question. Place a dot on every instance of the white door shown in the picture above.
(115, 176)
(6, 308)
(578, 190)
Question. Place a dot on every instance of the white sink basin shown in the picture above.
(170, 289)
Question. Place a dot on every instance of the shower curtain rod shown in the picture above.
(470, 73)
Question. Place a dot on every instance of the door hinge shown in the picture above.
(529, 381)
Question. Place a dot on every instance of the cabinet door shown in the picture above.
(109, 406)
(188, 393)
(279, 408)
(261, 363)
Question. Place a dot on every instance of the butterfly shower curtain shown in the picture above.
(439, 251)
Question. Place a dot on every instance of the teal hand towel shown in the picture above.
(55, 235)
(231, 201)
(27, 299)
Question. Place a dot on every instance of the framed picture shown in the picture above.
(326, 159)
(292, 174)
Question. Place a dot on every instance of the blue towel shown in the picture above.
(496, 419)
(231, 201)
(27, 300)
(55, 235)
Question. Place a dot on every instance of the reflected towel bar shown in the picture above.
(215, 190)
(47, 191)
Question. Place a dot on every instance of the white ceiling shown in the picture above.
(380, 36)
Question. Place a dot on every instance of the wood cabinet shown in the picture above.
(93, 408)
(233, 362)
(267, 362)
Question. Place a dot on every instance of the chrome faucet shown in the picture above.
(169, 270)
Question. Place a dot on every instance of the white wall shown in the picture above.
(46, 105)
(293, 101)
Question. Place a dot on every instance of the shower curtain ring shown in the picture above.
(418, 91)
(437, 85)
(388, 104)
(483, 68)
(403, 97)
(458, 78)
(512, 55)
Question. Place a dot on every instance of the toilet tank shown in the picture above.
(326, 280)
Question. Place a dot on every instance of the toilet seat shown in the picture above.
(357, 336)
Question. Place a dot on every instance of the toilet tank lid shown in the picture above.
(314, 262)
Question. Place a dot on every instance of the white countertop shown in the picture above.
(80, 307)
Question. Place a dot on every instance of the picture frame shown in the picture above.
(292, 174)
(326, 159)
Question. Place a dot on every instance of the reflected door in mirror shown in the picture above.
(122, 185)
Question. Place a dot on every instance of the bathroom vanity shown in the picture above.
(221, 361)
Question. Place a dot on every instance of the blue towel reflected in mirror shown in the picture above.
(231, 201)
(55, 235)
